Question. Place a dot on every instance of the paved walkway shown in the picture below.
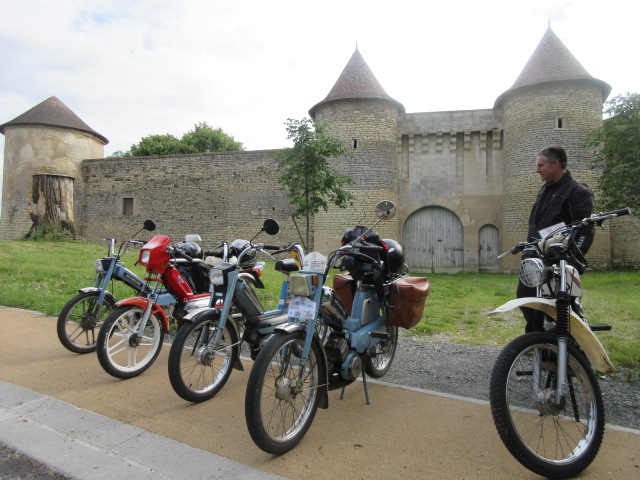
(63, 410)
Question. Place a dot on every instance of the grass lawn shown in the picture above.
(43, 276)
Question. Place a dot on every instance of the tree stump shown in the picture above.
(52, 208)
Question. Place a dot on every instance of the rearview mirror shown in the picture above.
(149, 225)
(270, 226)
(386, 210)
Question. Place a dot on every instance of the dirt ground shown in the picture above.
(403, 434)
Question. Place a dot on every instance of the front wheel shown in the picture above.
(80, 320)
(282, 392)
(378, 365)
(200, 364)
(550, 439)
(123, 351)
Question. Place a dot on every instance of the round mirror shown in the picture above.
(386, 210)
(149, 225)
(270, 226)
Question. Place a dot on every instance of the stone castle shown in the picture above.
(464, 181)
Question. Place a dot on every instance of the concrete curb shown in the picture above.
(89, 446)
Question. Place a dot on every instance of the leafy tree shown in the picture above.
(306, 175)
(617, 155)
(202, 139)
(165, 144)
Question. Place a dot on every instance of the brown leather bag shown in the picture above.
(406, 301)
(344, 286)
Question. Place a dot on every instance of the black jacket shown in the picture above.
(566, 201)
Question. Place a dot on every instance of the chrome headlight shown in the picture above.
(533, 272)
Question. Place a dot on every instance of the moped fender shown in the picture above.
(155, 309)
(323, 389)
(253, 280)
(107, 294)
(580, 331)
(191, 316)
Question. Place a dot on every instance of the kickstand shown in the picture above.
(366, 389)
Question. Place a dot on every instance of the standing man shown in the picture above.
(561, 200)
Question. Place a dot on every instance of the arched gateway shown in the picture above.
(433, 240)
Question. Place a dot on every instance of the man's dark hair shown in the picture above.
(555, 153)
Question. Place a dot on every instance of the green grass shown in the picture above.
(43, 276)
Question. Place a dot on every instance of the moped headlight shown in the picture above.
(97, 264)
(533, 272)
(145, 255)
(216, 276)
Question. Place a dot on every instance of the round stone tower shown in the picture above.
(361, 114)
(48, 139)
(554, 101)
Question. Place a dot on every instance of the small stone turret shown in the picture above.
(554, 101)
(360, 113)
(47, 139)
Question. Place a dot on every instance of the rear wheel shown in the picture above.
(80, 320)
(550, 439)
(199, 366)
(378, 365)
(122, 351)
(282, 393)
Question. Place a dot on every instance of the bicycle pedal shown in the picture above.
(381, 335)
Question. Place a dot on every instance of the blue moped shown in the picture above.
(297, 367)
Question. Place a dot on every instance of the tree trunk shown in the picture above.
(52, 209)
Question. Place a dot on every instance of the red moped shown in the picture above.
(132, 335)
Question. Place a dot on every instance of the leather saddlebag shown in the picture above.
(344, 286)
(406, 301)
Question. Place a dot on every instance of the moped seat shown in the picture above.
(287, 265)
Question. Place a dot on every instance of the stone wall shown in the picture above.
(625, 241)
(220, 196)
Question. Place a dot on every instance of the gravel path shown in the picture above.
(465, 370)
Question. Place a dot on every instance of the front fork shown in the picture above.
(562, 334)
(147, 312)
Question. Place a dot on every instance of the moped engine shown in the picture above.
(332, 310)
(351, 367)
(347, 364)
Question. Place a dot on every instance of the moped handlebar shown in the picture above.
(599, 217)
(595, 219)
(267, 246)
(179, 253)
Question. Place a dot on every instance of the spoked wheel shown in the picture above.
(123, 352)
(557, 441)
(378, 365)
(282, 393)
(80, 320)
(200, 364)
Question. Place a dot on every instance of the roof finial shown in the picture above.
(549, 25)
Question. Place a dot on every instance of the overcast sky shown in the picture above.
(134, 68)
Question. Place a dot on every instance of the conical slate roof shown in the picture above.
(54, 113)
(356, 81)
(552, 62)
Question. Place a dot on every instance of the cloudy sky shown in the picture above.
(134, 68)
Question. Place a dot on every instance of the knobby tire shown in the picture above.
(556, 441)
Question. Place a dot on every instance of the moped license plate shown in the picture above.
(302, 307)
